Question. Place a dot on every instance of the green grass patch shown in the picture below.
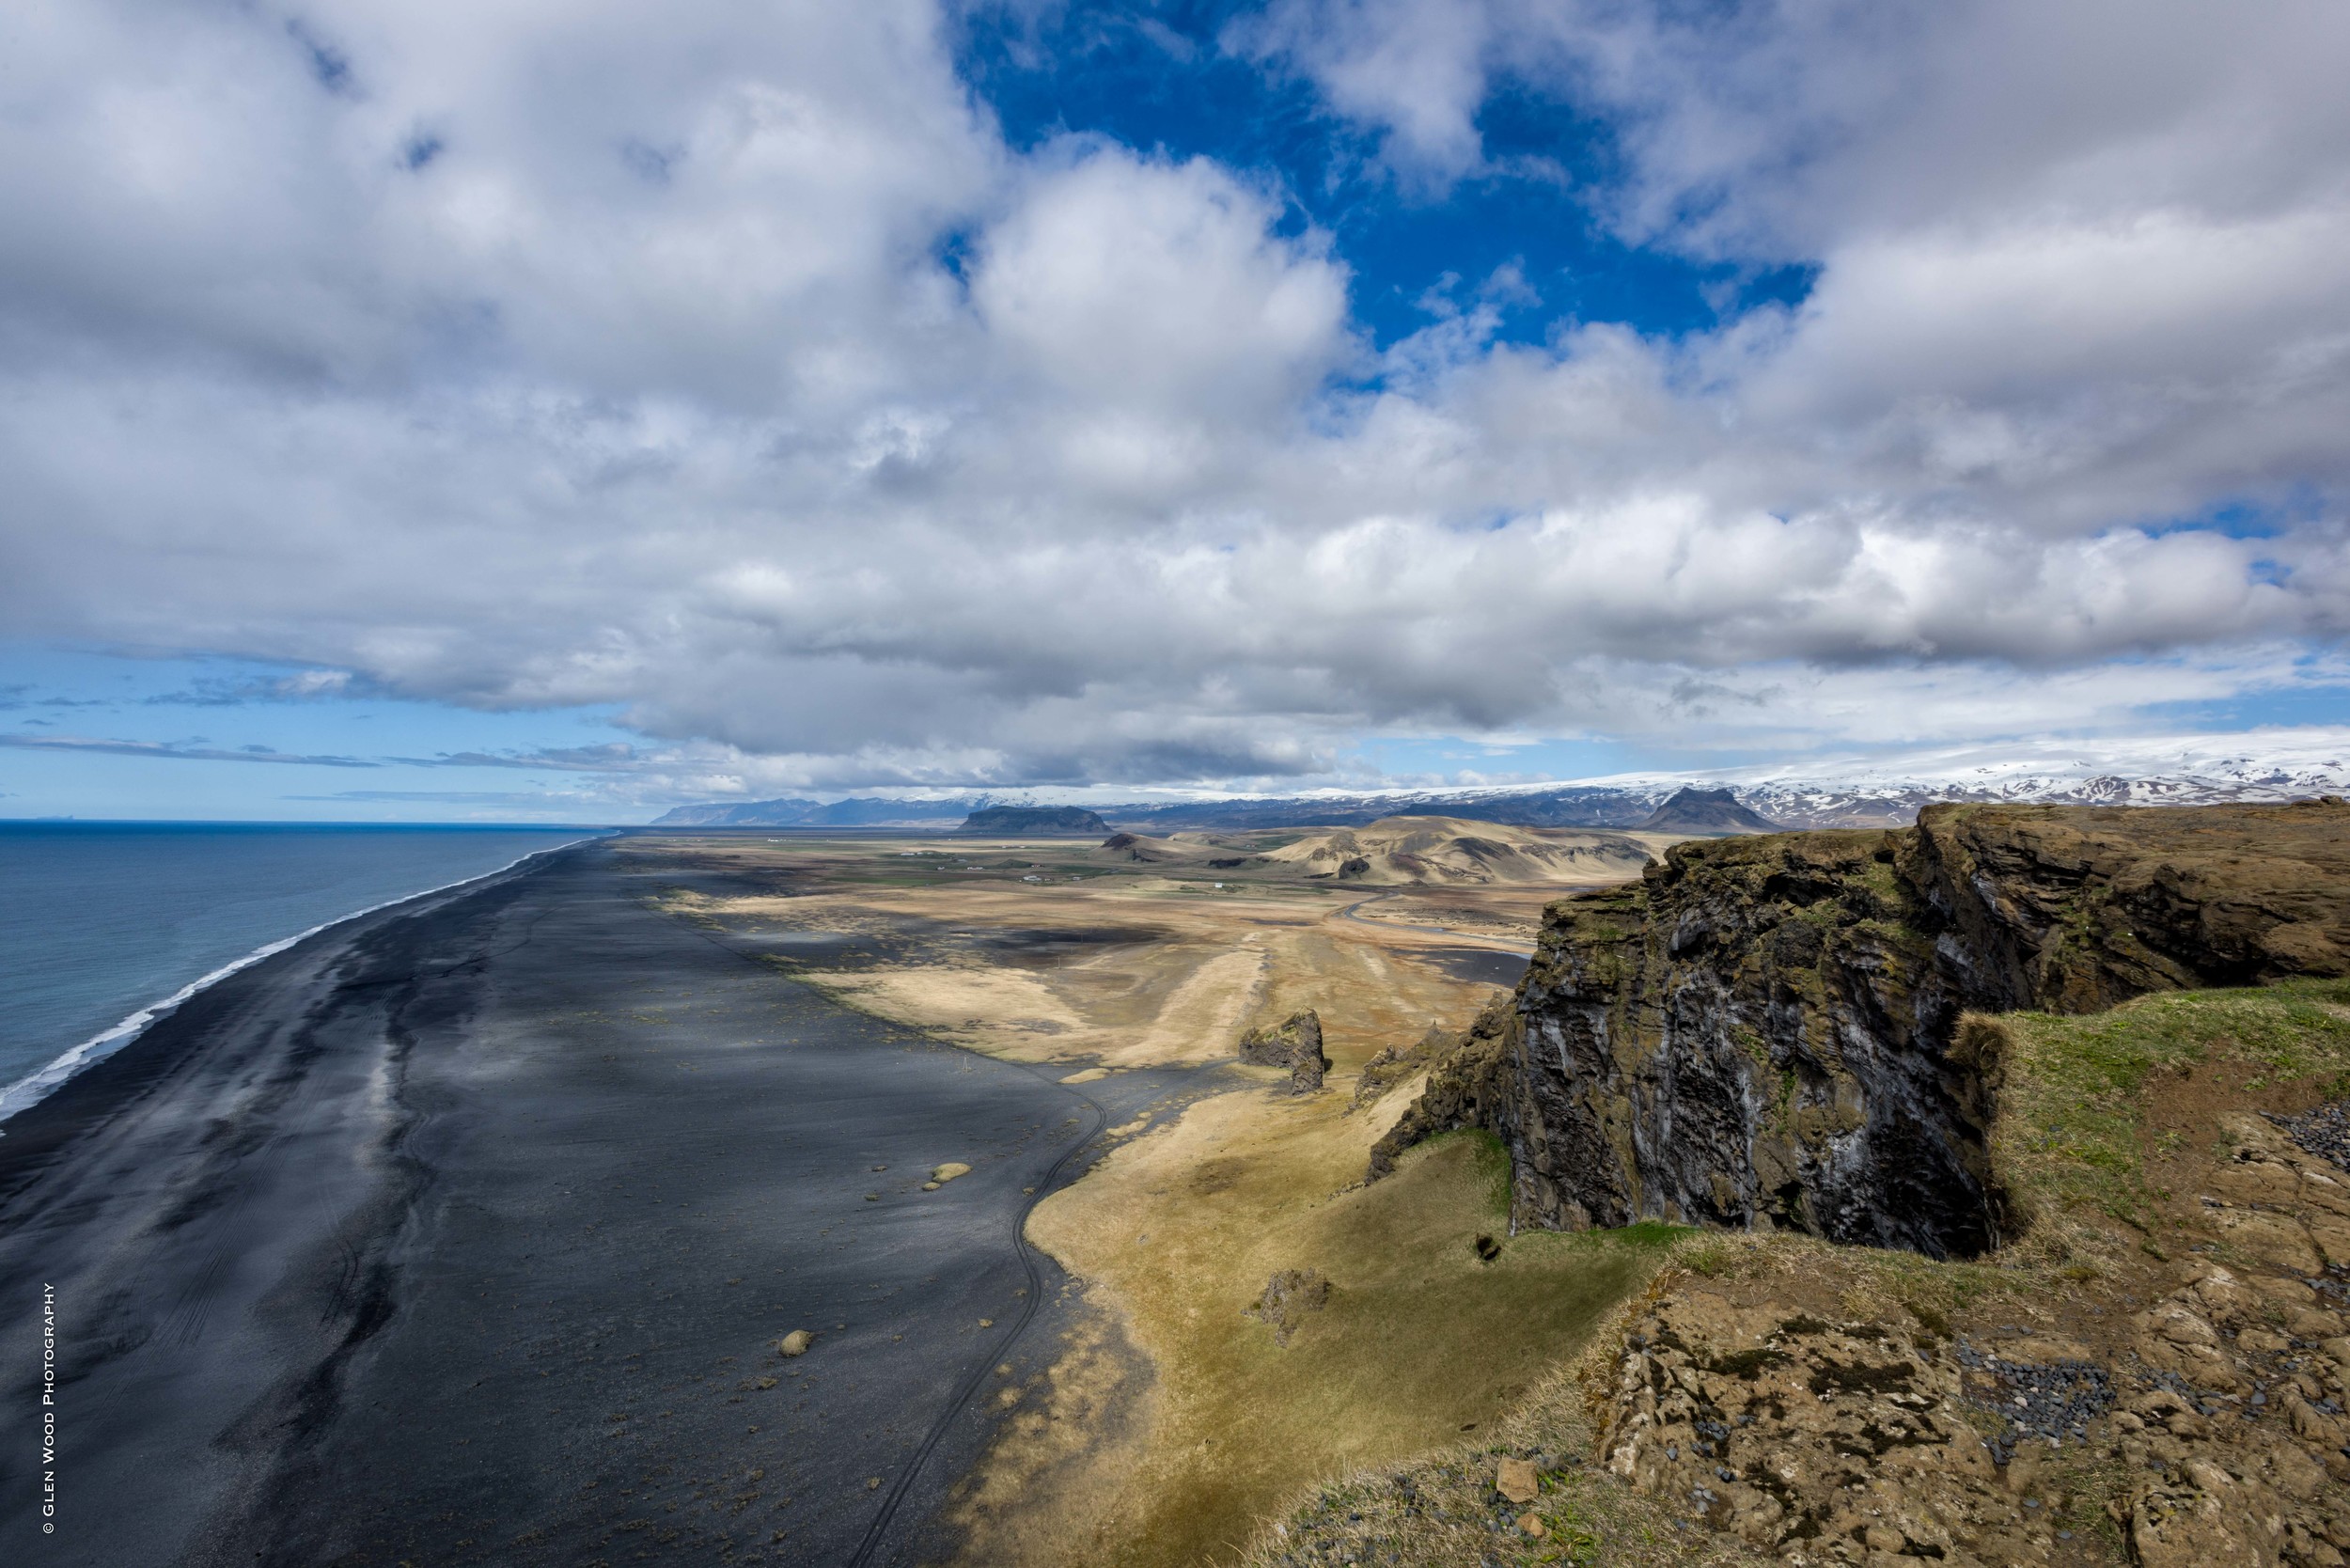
(1648, 1233)
(1880, 878)
(2071, 1128)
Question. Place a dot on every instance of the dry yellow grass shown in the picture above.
(1155, 971)
(1176, 1455)
(1420, 1341)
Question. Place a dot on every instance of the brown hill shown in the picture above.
(1397, 850)
(1195, 851)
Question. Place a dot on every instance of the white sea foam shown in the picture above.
(37, 1085)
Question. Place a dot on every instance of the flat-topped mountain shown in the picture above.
(1766, 1032)
(1034, 820)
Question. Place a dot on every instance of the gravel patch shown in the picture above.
(2055, 1400)
(2203, 1401)
(2324, 1132)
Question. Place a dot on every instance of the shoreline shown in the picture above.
(466, 1233)
(40, 1084)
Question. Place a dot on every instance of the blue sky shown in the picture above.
(87, 734)
(540, 417)
(1172, 79)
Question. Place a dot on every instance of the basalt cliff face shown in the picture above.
(1769, 1031)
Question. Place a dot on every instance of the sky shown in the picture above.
(497, 410)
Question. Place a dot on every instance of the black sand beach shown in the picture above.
(464, 1233)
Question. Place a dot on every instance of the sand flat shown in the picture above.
(1109, 963)
(469, 1234)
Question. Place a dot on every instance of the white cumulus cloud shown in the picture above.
(721, 362)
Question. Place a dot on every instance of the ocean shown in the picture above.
(101, 922)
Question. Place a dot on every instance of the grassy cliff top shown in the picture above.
(2114, 1131)
(2103, 1115)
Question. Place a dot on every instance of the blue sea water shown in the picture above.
(100, 921)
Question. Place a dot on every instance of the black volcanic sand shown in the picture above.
(464, 1233)
(1493, 966)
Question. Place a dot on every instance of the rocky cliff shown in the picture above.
(1768, 1031)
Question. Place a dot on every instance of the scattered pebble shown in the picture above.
(2055, 1400)
(2201, 1400)
(2324, 1132)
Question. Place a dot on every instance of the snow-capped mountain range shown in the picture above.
(2266, 765)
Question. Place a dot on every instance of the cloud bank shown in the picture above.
(725, 362)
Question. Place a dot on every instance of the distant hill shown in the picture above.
(1451, 849)
(862, 811)
(1570, 806)
(1149, 851)
(751, 813)
(1034, 819)
(1696, 811)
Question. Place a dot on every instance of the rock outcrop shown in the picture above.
(1473, 1088)
(1766, 1032)
(1854, 1441)
(1295, 1044)
(1289, 1295)
(1392, 1066)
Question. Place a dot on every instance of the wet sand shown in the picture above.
(464, 1233)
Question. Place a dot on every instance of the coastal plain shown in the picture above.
(1186, 1411)
(754, 1197)
(479, 1229)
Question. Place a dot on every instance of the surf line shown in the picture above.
(37, 1086)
